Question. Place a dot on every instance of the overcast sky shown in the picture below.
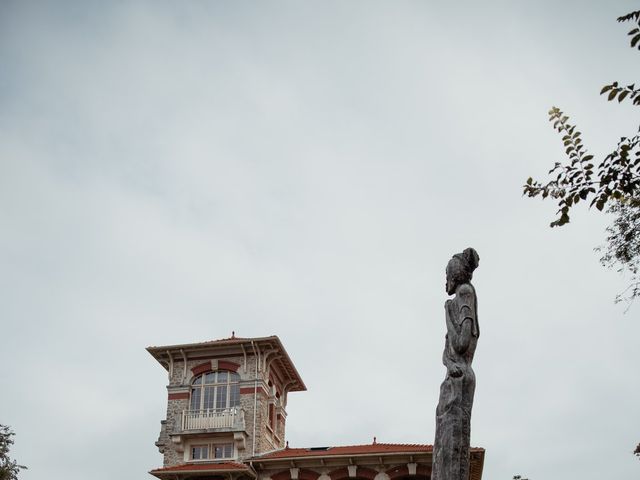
(173, 171)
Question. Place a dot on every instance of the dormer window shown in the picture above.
(218, 390)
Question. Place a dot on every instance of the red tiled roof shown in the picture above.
(232, 340)
(200, 467)
(228, 339)
(372, 448)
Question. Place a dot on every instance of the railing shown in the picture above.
(212, 418)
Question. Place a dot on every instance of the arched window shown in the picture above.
(215, 390)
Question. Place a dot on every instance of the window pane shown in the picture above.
(222, 377)
(234, 395)
(200, 452)
(195, 398)
(208, 397)
(221, 400)
(210, 377)
(234, 377)
(223, 451)
(198, 380)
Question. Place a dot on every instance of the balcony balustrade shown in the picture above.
(213, 418)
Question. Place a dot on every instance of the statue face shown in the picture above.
(456, 275)
(452, 283)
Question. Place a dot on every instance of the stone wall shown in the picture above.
(179, 390)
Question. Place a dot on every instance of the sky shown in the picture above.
(175, 171)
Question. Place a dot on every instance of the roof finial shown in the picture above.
(287, 444)
(374, 440)
(233, 334)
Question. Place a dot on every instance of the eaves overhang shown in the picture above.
(230, 470)
(165, 354)
(365, 455)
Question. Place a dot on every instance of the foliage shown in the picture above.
(636, 452)
(635, 16)
(9, 469)
(618, 176)
(623, 244)
(614, 183)
(519, 477)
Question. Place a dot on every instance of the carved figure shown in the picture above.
(453, 415)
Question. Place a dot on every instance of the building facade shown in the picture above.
(226, 419)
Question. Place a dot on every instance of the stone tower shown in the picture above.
(226, 399)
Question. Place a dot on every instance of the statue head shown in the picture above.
(460, 269)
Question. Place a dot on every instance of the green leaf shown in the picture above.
(623, 95)
(605, 89)
(635, 40)
(612, 94)
(563, 219)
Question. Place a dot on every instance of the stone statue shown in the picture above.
(453, 415)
